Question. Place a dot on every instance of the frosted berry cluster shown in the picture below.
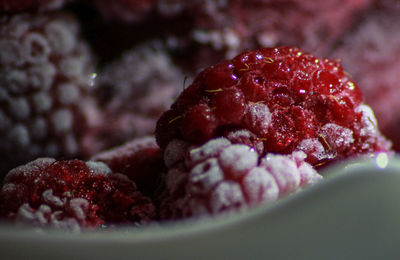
(290, 100)
(70, 195)
(220, 177)
(135, 90)
(45, 77)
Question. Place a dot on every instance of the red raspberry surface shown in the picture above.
(220, 176)
(30, 5)
(71, 194)
(289, 99)
(370, 52)
(140, 159)
(46, 105)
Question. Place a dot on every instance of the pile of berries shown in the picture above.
(128, 140)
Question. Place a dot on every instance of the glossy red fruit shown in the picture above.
(289, 99)
(71, 195)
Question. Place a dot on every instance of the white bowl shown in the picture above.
(353, 214)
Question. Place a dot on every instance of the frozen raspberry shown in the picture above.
(220, 176)
(140, 159)
(70, 195)
(45, 84)
(289, 99)
(374, 64)
(221, 29)
(30, 5)
(135, 90)
(202, 33)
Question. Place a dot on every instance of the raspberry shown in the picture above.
(220, 176)
(221, 29)
(135, 90)
(288, 99)
(374, 65)
(46, 105)
(71, 194)
(30, 5)
(140, 159)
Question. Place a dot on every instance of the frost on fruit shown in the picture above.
(71, 195)
(219, 176)
(260, 186)
(238, 159)
(226, 195)
(209, 149)
(286, 99)
(44, 87)
(258, 117)
(204, 176)
(136, 89)
(98, 168)
(140, 159)
(284, 170)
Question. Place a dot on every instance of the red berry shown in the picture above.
(46, 105)
(220, 176)
(140, 159)
(221, 29)
(70, 195)
(287, 98)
